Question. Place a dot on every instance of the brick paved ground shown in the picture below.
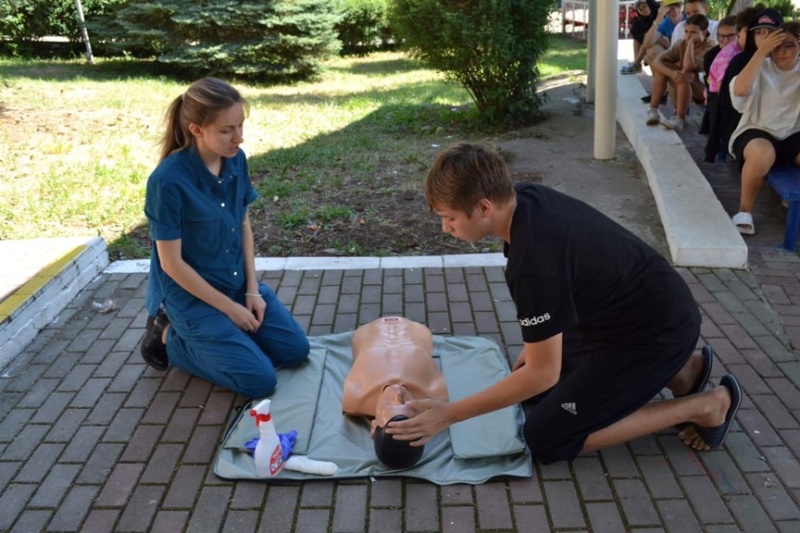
(93, 440)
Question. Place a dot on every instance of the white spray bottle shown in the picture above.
(268, 454)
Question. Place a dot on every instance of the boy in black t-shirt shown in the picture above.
(606, 322)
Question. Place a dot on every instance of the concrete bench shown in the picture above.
(785, 180)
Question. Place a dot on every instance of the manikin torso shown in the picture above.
(392, 363)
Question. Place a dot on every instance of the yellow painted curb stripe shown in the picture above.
(16, 299)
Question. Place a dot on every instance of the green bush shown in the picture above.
(24, 22)
(364, 26)
(489, 46)
(262, 40)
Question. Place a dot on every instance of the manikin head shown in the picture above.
(392, 407)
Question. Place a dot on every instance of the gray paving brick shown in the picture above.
(171, 521)
(619, 462)
(749, 514)
(524, 490)
(776, 413)
(62, 365)
(380, 521)
(775, 349)
(789, 526)
(12, 501)
(162, 463)
(422, 509)
(161, 408)
(279, 511)
(32, 521)
(123, 425)
(120, 485)
(786, 391)
(635, 502)
(51, 409)
(705, 500)
(241, 522)
(54, 486)
(458, 494)
(141, 509)
(100, 464)
(98, 351)
(531, 518)
(758, 428)
(592, 480)
(90, 393)
(458, 520)
(72, 512)
(77, 378)
(141, 445)
(785, 465)
(658, 477)
(604, 517)
(40, 463)
(744, 452)
(722, 470)
(776, 501)
(563, 503)
(184, 490)
(349, 516)
(678, 516)
(107, 406)
(684, 460)
(385, 492)
(39, 393)
(100, 521)
(128, 377)
(24, 444)
(8, 470)
(558, 470)
(67, 425)
(181, 425)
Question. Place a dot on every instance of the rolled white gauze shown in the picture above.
(301, 463)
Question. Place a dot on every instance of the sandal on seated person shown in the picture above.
(714, 437)
(744, 223)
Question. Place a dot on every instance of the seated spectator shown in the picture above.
(679, 68)
(646, 13)
(726, 34)
(658, 37)
(715, 75)
(694, 7)
(726, 118)
(767, 94)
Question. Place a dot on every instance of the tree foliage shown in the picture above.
(491, 47)
(364, 25)
(23, 22)
(278, 39)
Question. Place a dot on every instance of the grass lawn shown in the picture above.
(78, 141)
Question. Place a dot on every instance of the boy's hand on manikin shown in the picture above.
(432, 417)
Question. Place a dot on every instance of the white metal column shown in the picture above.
(605, 105)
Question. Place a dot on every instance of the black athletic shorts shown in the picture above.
(786, 151)
(600, 384)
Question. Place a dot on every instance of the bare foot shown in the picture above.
(718, 401)
(689, 377)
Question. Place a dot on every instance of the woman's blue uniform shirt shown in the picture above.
(186, 201)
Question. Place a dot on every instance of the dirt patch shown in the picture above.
(396, 221)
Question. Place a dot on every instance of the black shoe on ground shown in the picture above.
(154, 352)
(646, 99)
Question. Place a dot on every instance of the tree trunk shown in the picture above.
(84, 32)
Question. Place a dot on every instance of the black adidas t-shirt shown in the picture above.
(573, 270)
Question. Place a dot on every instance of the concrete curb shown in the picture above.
(699, 232)
(38, 301)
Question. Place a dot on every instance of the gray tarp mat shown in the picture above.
(308, 399)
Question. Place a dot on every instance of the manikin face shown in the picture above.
(392, 402)
(222, 137)
(469, 228)
(787, 53)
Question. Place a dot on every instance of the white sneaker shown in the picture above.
(653, 117)
(675, 123)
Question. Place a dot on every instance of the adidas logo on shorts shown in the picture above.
(569, 407)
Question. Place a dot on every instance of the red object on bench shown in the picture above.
(785, 180)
